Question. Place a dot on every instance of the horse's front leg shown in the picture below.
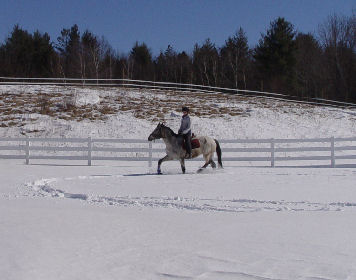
(160, 162)
(182, 165)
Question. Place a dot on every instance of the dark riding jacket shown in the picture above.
(185, 125)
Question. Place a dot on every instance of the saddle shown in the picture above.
(194, 143)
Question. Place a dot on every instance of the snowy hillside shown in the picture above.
(123, 113)
(119, 220)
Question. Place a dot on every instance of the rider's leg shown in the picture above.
(188, 144)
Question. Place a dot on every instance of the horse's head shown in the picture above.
(157, 133)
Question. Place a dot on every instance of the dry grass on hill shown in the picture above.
(152, 105)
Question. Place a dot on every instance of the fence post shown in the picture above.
(272, 152)
(150, 154)
(332, 148)
(27, 150)
(89, 150)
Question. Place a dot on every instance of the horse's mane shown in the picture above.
(170, 130)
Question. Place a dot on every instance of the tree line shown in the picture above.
(284, 60)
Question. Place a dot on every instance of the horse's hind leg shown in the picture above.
(182, 165)
(212, 163)
(207, 162)
(203, 167)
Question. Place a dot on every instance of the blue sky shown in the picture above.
(159, 23)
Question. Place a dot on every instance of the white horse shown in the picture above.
(176, 151)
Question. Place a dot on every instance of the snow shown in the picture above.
(109, 222)
(259, 118)
(118, 220)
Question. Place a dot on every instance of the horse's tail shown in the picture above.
(218, 152)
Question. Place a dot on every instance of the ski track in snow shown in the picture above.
(46, 188)
(226, 275)
(223, 275)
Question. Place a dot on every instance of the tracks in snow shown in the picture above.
(46, 188)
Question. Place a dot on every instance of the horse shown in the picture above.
(176, 151)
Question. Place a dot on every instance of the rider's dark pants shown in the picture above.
(188, 142)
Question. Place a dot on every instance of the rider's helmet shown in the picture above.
(185, 109)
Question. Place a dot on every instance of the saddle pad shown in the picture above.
(195, 143)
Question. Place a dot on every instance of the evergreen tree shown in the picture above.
(275, 56)
(69, 49)
(141, 59)
(19, 48)
(310, 73)
(173, 67)
(26, 55)
(165, 65)
(171, 64)
(43, 57)
(185, 72)
(161, 67)
(4, 68)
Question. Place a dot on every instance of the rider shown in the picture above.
(185, 130)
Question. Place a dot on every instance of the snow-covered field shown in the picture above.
(65, 220)
(111, 222)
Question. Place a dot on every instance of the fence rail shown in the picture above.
(169, 86)
(331, 151)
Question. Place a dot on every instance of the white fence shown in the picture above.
(330, 152)
(168, 86)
